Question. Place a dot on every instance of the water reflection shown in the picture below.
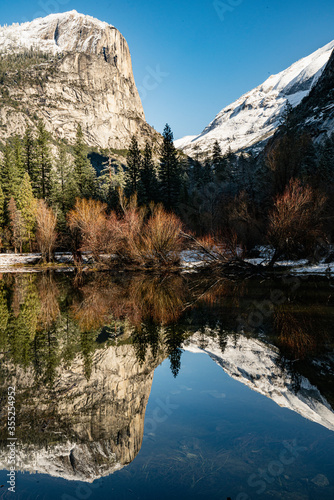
(83, 353)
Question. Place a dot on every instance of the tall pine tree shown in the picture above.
(148, 178)
(11, 176)
(64, 187)
(219, 163)
(133, 172)
(42, 176)
(29, 152)
(2, 208)
(85, 175)
(169, 172)
(27, 205)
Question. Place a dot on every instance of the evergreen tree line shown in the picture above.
(224, 193)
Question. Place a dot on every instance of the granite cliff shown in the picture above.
(68, 69)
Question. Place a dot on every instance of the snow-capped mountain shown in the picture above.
(255, 364)
(74, 69)
(68, 29)
(255, 117)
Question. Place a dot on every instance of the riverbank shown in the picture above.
(14, 263)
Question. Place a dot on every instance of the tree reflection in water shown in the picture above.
(83, 351)
(47, 320)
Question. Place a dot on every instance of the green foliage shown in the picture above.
(17, 68)
(169, 172)
(148, 186)
(29, 150)
(27, 204)
(85, 175)
(2, 208)
(219, 163)
(41, 178)
(133, 172)
(325, 170)
(112, 179)
(64, 187)
(11, 169)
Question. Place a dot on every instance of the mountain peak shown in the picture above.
(255, 116)
(63, 32)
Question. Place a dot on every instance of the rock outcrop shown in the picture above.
(82, 73)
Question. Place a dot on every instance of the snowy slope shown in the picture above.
(255, 364)
(46, 34)
(256, 115)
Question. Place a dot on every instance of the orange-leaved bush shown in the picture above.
(295, 222)
(88, 221)
(46, 235)
(162, 241)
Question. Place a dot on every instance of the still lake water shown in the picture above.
(156, 387)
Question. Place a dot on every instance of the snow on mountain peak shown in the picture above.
(54, 33)
(255, 116)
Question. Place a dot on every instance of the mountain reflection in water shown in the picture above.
(82, 354)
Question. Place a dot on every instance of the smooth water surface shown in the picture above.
(183, 387)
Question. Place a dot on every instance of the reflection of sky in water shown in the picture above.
(209, 438)
(209, 433)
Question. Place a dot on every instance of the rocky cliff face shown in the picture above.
(250, 121)
(83, 75)
(315, 114)
(83, 430)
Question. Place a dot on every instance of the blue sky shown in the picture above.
(202, 54)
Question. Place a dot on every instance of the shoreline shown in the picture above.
(30, 263)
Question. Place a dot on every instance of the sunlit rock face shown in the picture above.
(89, 80)
(256, 364)
(84, 429)
(250, 121)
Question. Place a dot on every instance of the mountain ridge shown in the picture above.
(251, 120)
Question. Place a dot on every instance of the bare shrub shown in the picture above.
(46, 234)
(162, 239)
(216, 249)
(88, 221)
(295, 223)
(18, 229)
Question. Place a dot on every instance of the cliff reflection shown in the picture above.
(82, 355)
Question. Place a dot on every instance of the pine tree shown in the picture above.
(218, 162)
(64, 187)
(325, 170)
(18, 154)
(111, 179)
(148, 178)
(207, 176)
(85, 175)
(2, 208)
(169, 173)
(27, 205)
(29, 148)
(134, 165)
(286, 120)
(10, 175)
(42, 176)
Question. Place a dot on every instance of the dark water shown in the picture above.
(154, 387)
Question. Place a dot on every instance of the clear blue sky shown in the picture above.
(207, 58)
